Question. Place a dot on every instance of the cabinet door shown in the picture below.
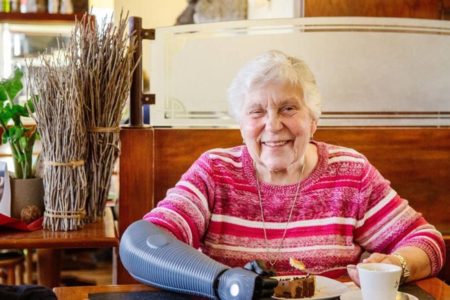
(21, 42)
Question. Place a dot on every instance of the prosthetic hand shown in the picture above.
(259, 267)
(154, 257)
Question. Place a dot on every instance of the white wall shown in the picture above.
(154, 13)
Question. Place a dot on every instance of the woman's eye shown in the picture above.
(256, 112)
(288, 109)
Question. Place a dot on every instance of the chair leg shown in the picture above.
(3, 276)
(29, 266)
(12, 275)
(21, 272)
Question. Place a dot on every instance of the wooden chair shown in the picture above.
(12, 267)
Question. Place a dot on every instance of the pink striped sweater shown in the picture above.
(345, 207)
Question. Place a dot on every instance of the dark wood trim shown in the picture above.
(33, 17)
(426, 9)
(136, 181)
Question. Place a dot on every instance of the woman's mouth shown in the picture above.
(275, 143)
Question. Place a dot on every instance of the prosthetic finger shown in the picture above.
(265, 287)
(259, 267)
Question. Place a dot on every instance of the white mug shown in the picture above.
(379, 281)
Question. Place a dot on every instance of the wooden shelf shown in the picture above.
(38, 17)
(101, 234)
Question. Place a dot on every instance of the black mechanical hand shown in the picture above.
(259, 267)
(238, 283)
(151, 256)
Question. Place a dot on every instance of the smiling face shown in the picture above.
(277, 126)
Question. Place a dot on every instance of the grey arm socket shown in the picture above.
(154, 257)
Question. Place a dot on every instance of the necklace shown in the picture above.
(272, 262)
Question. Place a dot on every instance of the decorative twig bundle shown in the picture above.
(59, 118)
(105, 58)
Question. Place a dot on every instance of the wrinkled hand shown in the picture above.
(242, 284)
(373, 258)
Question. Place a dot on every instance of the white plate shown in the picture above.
(326, 288)
(356, 295)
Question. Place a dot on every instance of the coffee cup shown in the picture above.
(379, 281)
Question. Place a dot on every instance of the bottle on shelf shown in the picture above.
(41, 6)
(23, 6)
(66, 7)
(53, 6)
(32, 6)
(14, 5)
(6, 6)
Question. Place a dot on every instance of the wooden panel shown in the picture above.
(445, 14)
(177, 149)
(428, 9)
(136, 181)
(415, 160)
(136, 176)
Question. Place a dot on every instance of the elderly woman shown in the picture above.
(280, 195)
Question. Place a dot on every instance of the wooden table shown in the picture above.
(82, 292)
(101, 234)
(95, 235)
(437, 288)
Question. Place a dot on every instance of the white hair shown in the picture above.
(273, 66)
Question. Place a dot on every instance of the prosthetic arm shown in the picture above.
(154, 257)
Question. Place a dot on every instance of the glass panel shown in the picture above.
(26, 41)
(371, 71)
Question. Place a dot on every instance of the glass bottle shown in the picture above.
(53, 6)
(66, 7)
(14, 5)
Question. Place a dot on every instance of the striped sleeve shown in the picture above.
(387, 222)
(185, 211)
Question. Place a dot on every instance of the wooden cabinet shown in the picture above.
(426, 9)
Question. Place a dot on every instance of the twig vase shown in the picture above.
(103, 150)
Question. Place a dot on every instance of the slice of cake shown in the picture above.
(297, 287)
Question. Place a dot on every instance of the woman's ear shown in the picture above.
(313, 128)
(242, 133)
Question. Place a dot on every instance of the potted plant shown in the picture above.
(26, 190)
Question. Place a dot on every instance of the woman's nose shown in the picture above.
(273, 122)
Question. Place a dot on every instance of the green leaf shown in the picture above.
(10, 87)
(6, 115)
(3, 96)
(18, 110)
(21, 139)
(23, 143)
(15, 133)
(29, 105)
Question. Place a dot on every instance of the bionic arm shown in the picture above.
(154, 257)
